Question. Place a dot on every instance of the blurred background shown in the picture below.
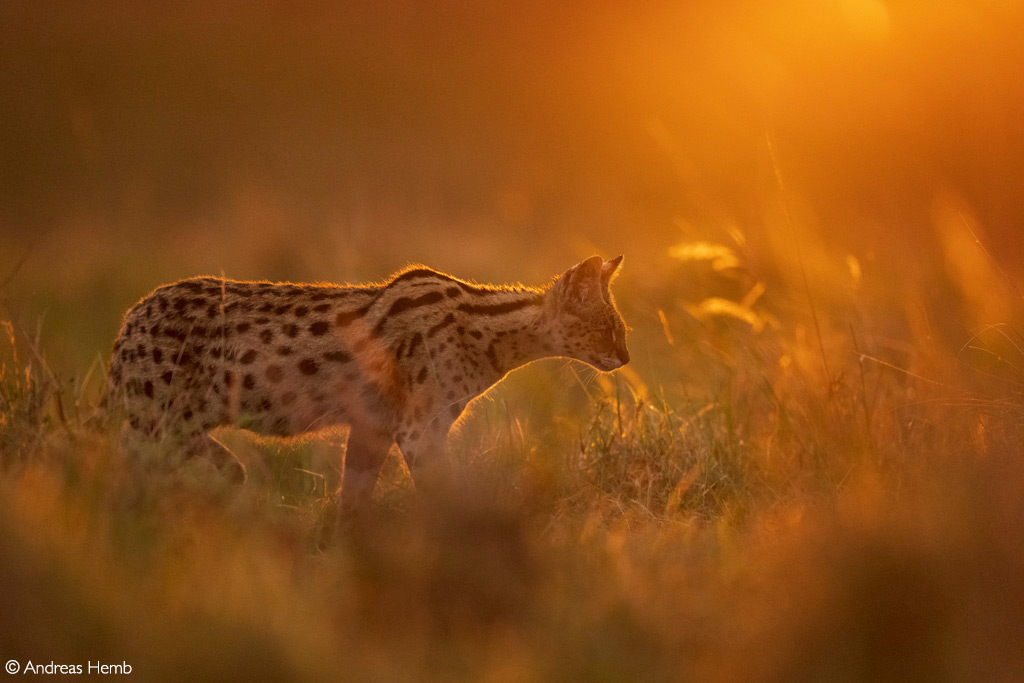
(869, 144)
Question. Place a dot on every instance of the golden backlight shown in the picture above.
(809, 470)
(469, 118)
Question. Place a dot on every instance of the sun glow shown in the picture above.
(866, 19)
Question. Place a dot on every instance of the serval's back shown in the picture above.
(396, 361)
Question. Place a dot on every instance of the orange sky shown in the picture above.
(529, 115)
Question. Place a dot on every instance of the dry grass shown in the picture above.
(753, 516)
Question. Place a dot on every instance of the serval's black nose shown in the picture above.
(622, 354)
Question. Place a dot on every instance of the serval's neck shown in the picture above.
(510, 339)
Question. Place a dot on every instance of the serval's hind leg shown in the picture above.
(203, 447)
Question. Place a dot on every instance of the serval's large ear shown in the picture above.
(609, 269)
(581, 282)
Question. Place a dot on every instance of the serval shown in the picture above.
(397, 361)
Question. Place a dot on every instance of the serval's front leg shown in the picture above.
(364, 456)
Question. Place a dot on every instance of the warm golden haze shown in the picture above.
(809, 469)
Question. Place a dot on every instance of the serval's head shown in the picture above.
(584, 323)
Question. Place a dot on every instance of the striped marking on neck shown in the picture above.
(535, 299)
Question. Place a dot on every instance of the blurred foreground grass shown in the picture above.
(785, 497)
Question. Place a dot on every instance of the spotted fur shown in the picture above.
(396, 361)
